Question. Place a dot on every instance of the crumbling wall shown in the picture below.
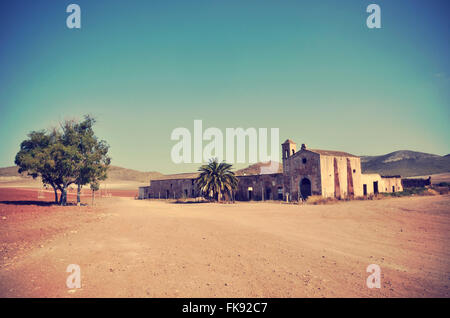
(416, 182)
(259, 187)
(172, 189)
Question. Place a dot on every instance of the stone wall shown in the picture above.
(143, 192)
(254, 187)
(172, 189)
(260, 187)
(341, 176)
(391, 184)
(384, 184)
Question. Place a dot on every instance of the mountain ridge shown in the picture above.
(406, 163)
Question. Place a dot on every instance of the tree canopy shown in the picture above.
(69, 155)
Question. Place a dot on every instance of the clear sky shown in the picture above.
(311, 68)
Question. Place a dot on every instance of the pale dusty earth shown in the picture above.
(145, 248)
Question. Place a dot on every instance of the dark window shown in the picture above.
(304, 160)
(354, 170)
(293, 151)
(280, 193)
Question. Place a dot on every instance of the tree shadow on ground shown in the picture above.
(38, 203)
(190, 202)
(22, 202)
(202, 201)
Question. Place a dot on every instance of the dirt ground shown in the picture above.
(133, 248)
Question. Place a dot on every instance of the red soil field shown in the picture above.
(34, 194)
(152, 248)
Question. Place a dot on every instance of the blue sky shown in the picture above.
(311, 68)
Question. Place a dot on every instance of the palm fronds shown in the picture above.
(216, 180)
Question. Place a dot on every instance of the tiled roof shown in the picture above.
(332, 153)
(190, 175)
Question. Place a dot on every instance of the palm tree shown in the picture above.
(216, 179)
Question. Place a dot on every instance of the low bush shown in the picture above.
(318, 199)
(411, 192)
(441, 189)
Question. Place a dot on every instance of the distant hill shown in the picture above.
(256, 169)
(406, 163)
(11, 172)
(115, 173)
(124, 174)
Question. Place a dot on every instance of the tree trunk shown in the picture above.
(78, 194)
(63, 198)
(56, 193)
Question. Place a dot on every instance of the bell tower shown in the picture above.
(288, 148)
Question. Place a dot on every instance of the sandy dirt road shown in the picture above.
(132, 248)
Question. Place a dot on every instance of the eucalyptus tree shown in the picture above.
(65, 156)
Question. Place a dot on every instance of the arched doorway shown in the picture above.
(305, 188)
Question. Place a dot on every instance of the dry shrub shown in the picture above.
(318, 199)
(191, 200)
(379, 196)
(431, 191)
(441, 189)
